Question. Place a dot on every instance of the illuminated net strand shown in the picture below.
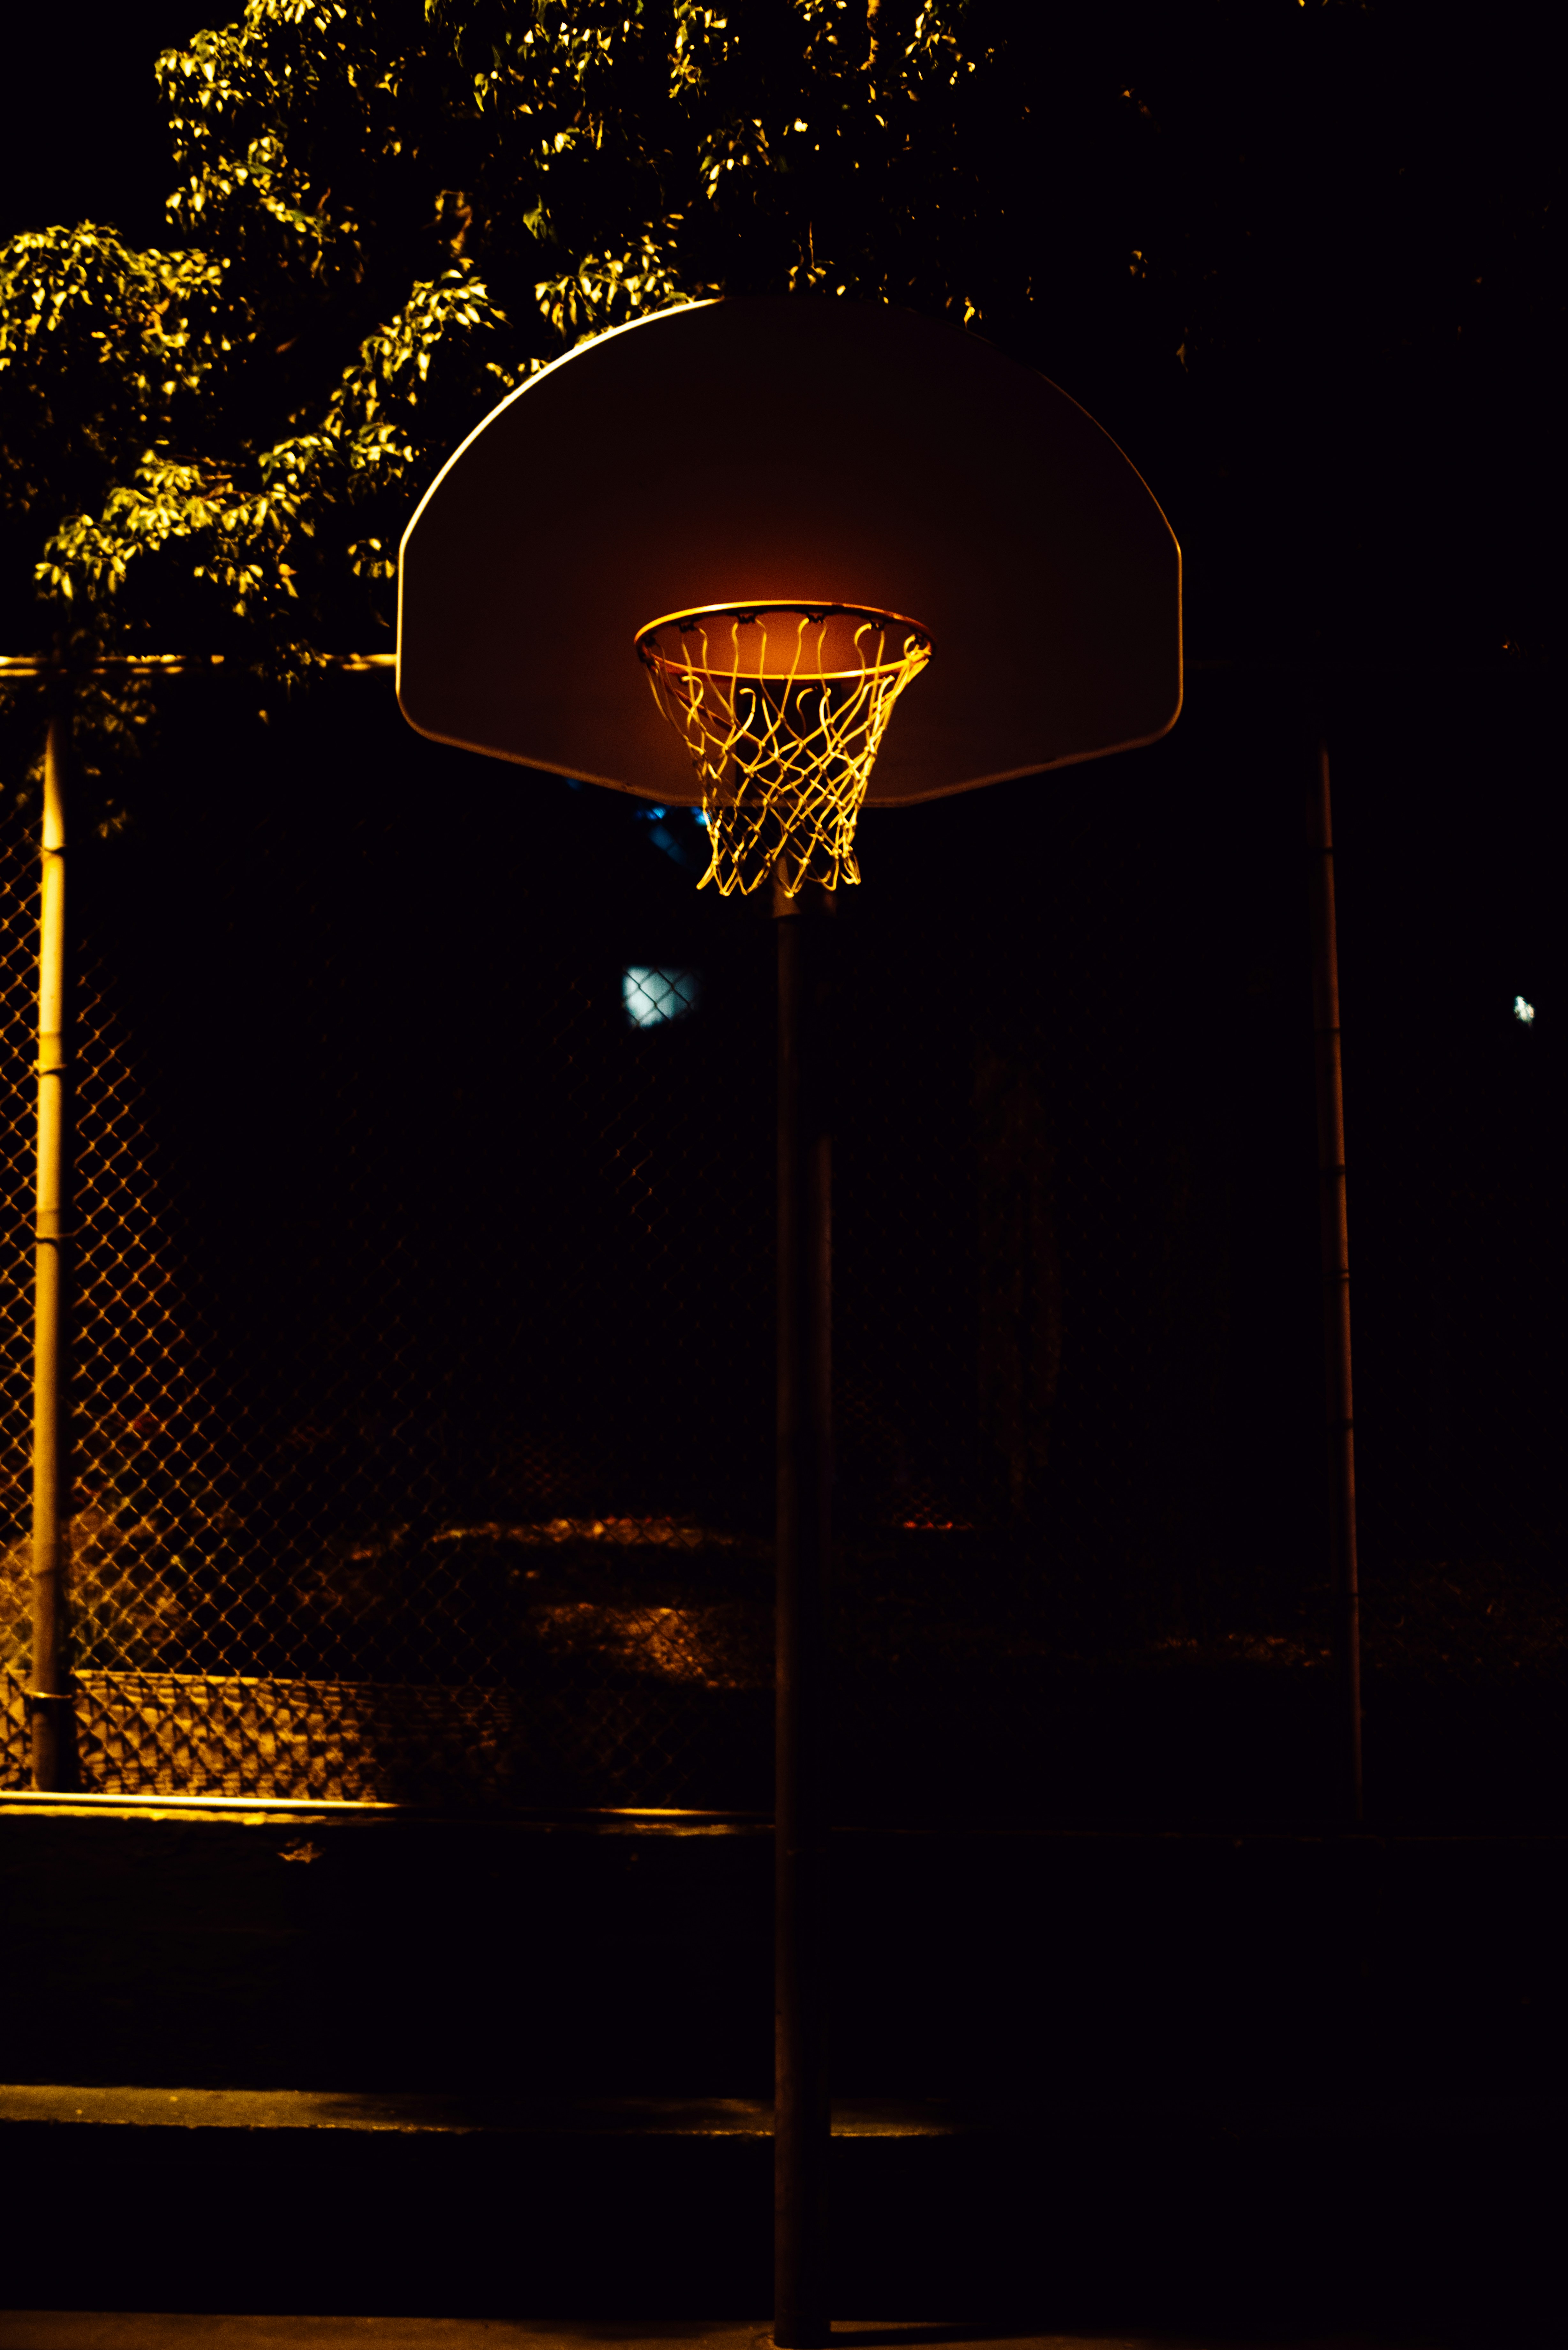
(784, 756)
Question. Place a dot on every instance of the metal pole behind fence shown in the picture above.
(1335, 1256)
(802, 2129)
(48, 1697)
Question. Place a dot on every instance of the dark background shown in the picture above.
(461, 1248)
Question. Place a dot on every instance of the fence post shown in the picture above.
(1333, 1241)
(802, 2129)
(49, 1701)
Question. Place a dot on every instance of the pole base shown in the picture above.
(51, 1717)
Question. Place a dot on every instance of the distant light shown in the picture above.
(651, 996)
(699, 816)
(652, 814)
(1524, 1012)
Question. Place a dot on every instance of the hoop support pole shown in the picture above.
(802, 2128)
(1335, 1246)
(48, 1693)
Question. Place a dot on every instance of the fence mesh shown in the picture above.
(422, 1328)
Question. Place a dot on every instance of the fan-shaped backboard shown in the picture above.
(807, 451)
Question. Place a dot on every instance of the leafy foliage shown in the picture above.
(389, 215)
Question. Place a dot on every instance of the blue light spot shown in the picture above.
(650, 996)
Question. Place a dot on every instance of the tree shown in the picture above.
(389, 215)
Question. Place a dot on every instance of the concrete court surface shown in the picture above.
(105, 2330)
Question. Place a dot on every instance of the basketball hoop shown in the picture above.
(954, 482)
(782, 708)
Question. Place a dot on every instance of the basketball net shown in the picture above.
(782, 708)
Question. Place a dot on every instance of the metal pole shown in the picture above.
(1336, 1257)
(802, 2130)
(48, 1697)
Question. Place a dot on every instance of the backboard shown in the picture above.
(791, 451)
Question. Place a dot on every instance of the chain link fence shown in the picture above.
(422, 1347)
